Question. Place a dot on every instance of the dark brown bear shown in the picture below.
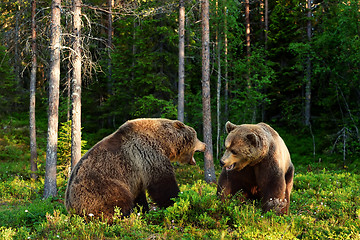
(135, 158)
(257, 163)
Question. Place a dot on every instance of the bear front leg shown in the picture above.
(141, 202)
(289, 176)
(229, 183)
(163, 190)
(274, 196)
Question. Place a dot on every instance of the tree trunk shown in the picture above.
(218, 87)
(134, 49)
(265, 27)
(208, 156)
(248, 53)
(52, 133)
(308, 70)
(16, 50)
(266, 22)
(33, 145)
(76, 86)
(247, 19)
(181, 93)
(110, 3)
(226, 93)
(68, 97)
(262, 19)
(110, 35)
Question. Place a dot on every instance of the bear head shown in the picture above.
(186, 145)
(246, 144)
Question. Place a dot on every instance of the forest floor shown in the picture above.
(325, 204)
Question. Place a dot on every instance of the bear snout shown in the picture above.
(221, 163)
(200, 146)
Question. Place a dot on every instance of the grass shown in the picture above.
(325, 204)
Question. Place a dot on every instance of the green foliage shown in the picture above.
(13, 137)
(64, 143)
(18, 190)
(64, 148)
(325, 201)
(8, 95)
(29, 214)
(255, 76)
(324, 204)
(336, 62)
(144, 73)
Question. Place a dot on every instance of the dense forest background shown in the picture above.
(291, 63)
(298, 70)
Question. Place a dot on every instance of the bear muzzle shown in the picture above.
(200, 146)
(224, 162)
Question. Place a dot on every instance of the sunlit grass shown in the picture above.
(325, 204)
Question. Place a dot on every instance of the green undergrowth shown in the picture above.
(325, 204)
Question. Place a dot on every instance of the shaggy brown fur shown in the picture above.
(257, 163)
(120, 168)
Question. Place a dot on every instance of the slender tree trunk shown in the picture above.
(181, 94)
(50, 188)
(16, 49)
(265, 27)
(208, 160)
(226, 94)
(308, 70)
(248, 53)
(266, 22)
(33, 145)
(110, 35)
(76, 86)
(134, 50)
(110, 3)
(218, 87)
(68, 98)
(247, 19)
(262, 19)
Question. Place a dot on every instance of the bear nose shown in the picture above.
(221, 163)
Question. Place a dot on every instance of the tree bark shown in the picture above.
(110, 32)
(218, 87)
(308, 70)
(16, 50)
(110, 35)
(76, 86)
(266, 22)
(181, 94)
(265, 28)
(68, 97)
(50, 188)
(247, 19)
(33, 145)
(208, 156)
(226, 90)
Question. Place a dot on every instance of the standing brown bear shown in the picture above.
(257, 163)
(118, 169)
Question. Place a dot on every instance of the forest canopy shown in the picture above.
(284, 62)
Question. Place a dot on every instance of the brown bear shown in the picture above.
(257, 164)
(137, 157)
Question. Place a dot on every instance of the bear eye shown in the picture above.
(233, 152)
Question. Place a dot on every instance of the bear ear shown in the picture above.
(229, 126)
(179, 125)
(253, 139)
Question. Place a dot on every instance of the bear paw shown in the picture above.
(276, 204)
